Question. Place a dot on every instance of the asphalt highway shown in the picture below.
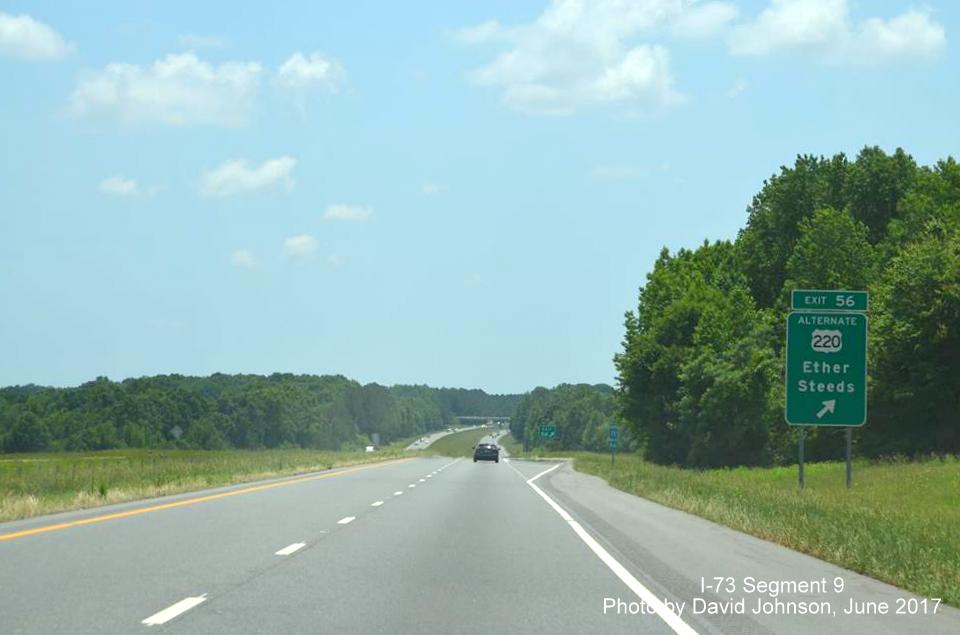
(425, 545)
(425, 441)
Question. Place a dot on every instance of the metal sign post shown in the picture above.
(803, 435)
(849, 464)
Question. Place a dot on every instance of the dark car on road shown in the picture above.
(486, 452)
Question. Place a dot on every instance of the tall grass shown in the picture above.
(33, 484)
(899, 523)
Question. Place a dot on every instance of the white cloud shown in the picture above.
(703, 20)
(22, 36)
(300, 72)
(197, 41)
(581, 53)
(429, 189)
(824, 28)
(179, 89)
(120, 186)
(348, 212)
(736, 88)
(235, 177)
(618, 172)
(300, 247)
(481, 33)
(244, 259)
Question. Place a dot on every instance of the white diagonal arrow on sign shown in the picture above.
(828, 406)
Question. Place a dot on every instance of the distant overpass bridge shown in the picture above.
(482, 418)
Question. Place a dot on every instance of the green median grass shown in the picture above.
(36, 484)
(900, 522)
(460, 443)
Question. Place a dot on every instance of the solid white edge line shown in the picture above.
(376, 503)
(171, 612)
(347, 519)
(286, 551)
(546, 471)
(672, 619)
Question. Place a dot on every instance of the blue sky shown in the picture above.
(458, 194)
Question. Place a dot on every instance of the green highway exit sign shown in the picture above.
(826, 378)
(814, 300)
(547, 432)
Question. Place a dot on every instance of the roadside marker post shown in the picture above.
(826, 364)
(614, 435)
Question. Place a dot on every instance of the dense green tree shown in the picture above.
(28, 434)
(874, 185)
(773, 222)
(700, 372)
(916, 349)
(243, 411)
(831, 252)
(582, 415)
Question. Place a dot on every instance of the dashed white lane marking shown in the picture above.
(423, 480)
(346, 520)
(667, 615)
(171, 612)
(412, 485)
(398, 493)
(286, 551)
(376, 503)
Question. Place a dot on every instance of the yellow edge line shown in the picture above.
(190, 501)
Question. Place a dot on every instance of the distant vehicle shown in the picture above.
(486, 452)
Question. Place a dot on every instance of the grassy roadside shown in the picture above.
(459, 443)
(900, 523)
(511, 445)
(36, 484)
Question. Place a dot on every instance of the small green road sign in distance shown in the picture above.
(547, 432)
(818, 300)
(826, 376)
(614, 433)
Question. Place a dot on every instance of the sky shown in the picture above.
(456, 194)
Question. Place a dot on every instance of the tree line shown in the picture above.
(581, 414)
(701, 369)
(230, 411)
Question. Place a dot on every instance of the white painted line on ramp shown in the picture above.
(171, 612)
(672, 619)
(347, 520)
(376, 503)
(286, 551)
